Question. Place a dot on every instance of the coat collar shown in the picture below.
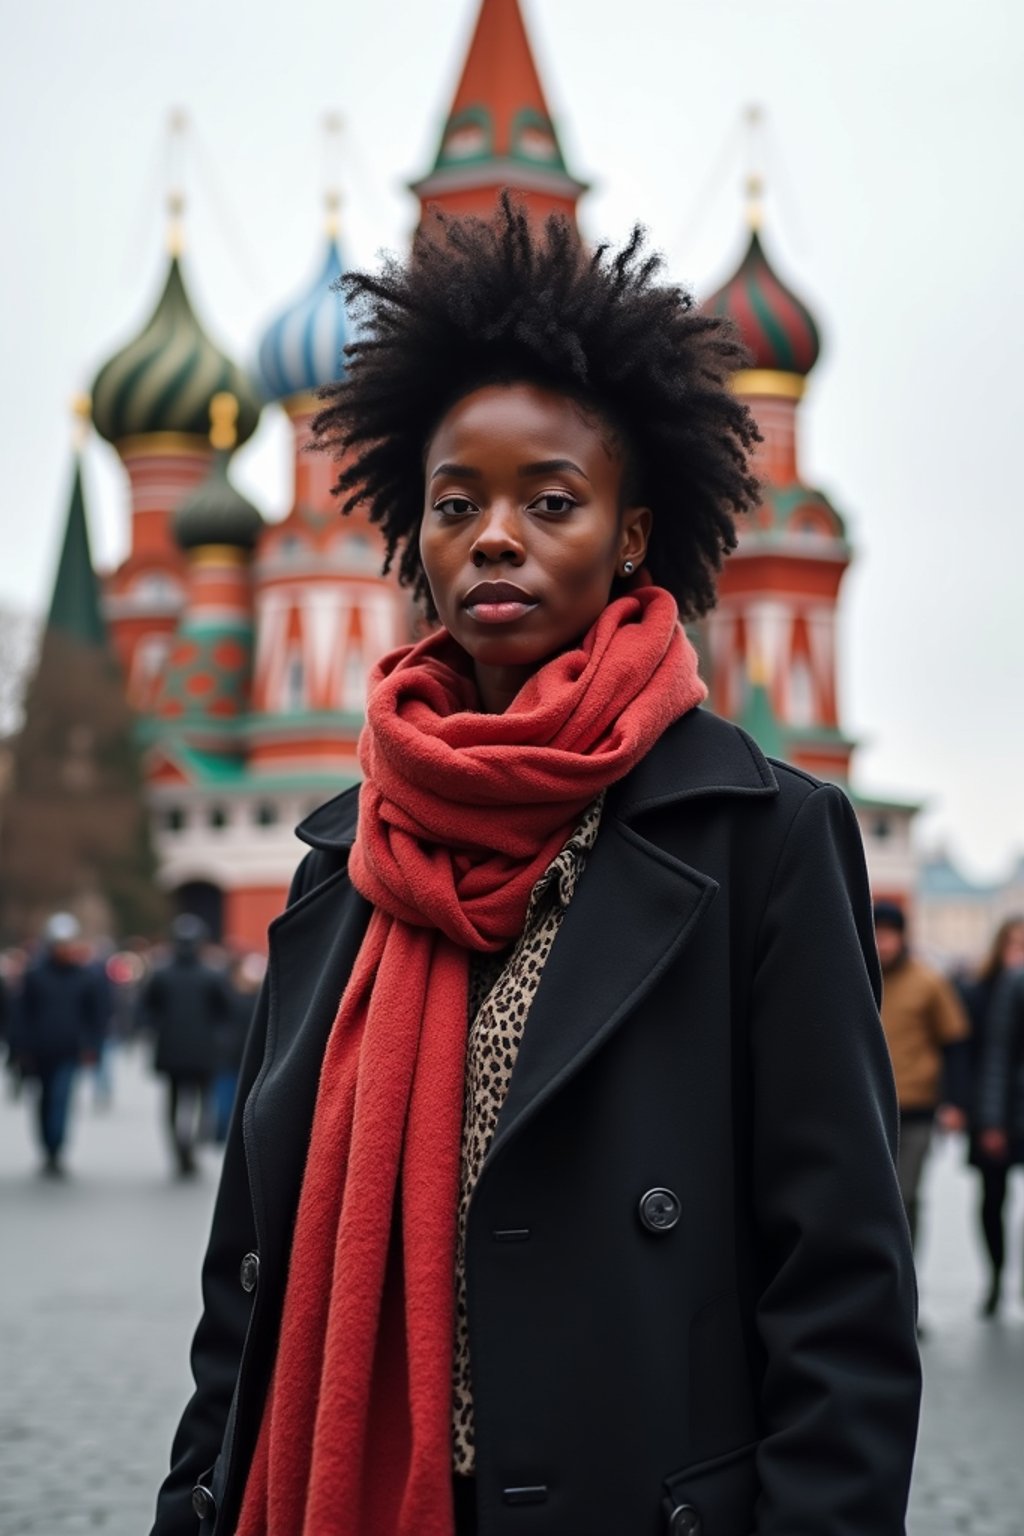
(610, 951)
(700, 754)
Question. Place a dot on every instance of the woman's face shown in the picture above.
(523, 528)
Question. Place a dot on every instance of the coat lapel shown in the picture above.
(634, 910)
(636, 907)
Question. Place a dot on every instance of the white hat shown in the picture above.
(62, 928)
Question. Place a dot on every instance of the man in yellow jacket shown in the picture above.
(921, 1016)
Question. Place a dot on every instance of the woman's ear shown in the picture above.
(635, 536)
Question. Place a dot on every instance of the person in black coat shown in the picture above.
(60, 1018)
(244, 977)
(689, 1286)
(183, 1005)
(996, 1088)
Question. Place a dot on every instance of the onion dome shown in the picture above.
(215, 512)
(303, 348)
(778, 330)
(164, 380)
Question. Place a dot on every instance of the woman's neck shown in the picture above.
(498, 686)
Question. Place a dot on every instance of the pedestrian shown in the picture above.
(103, 1068)
(922, 1017)
(998, 1141)
(244, 976)
(182, 1005)
(564, 1197)
(58, 1024)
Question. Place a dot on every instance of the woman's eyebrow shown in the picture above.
(462, 471)
(551, 467)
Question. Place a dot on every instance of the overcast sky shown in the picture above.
(895, 207)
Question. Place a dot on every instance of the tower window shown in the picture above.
(266, 814)
(175, 819)
(216, 817)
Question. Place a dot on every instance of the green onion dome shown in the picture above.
(215, 512)
(164, 380)
(777, 328)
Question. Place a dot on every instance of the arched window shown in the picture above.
(469, 135)
(533, 138)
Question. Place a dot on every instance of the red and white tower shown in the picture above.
(324, 613)
(499, 131)
(775, 624)
(769, 647)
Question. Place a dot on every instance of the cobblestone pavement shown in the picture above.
(100, 1293)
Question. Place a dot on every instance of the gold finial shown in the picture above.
(177, 128)
(754, 182)
(223, 421)
(81, 410)
(333, 129)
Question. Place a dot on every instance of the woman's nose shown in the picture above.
(498, 537)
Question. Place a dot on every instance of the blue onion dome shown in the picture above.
(164, 380)
(303, 348)
(215, 512)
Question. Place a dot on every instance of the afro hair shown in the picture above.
(487, 301)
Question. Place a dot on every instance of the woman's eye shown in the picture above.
(454, 506)
(554, 501)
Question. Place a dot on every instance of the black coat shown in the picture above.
(184, 1004)
(61, 1013)
(999, 1091)
(706, 1024)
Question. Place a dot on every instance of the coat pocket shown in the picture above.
(714, 1498)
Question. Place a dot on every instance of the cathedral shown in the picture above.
(245, 645)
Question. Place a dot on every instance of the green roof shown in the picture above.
(210, 771)
(75, 605)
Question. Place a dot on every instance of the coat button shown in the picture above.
(685, 1521)
(203, 1502)
(249, 1273)
(660, 1210)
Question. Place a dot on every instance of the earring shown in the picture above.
(628, 568)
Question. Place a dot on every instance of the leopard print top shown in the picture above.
(501, 989)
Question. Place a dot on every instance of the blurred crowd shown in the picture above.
(956, 1043)
(957, 1049)
(67, 1005)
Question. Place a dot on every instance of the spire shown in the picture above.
(74, 829)
(177, 128)
(333, 130)
(499, 131)
(754, 185)
(75, 605)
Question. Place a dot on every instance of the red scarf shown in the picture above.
(459, 815)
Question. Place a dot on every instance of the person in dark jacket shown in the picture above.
(59, 1021)
(183, 1005)
(923, 1021)
(244, 976)
(564, 1195)
(996, 1002)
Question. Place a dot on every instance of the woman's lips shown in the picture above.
(499, 613)
(498, 602)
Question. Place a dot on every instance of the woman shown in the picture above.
(579, 1212)
(995, 1096)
